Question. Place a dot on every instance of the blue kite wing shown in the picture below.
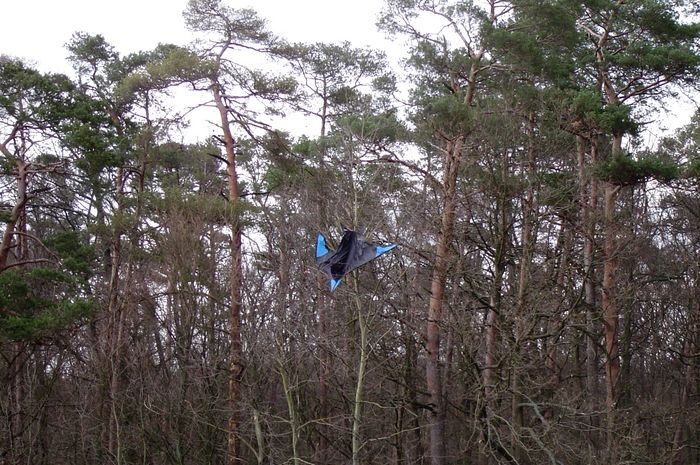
(384, 249)
(334, 283)
(324, 259)
(321, 247)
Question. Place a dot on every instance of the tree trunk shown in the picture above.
(291, 406)
(321, 453)
(436, 415)
(15, 214)
(323, 375)
(115, 333)
(690, 347)
(236, 277)
(526, 243)
(610, 314)
(358, 404)
(492, 326)
(588, 198)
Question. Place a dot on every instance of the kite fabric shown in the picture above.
(352, 252)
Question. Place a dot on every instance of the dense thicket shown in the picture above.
(159, 300)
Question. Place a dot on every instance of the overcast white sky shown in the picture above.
(37, 30)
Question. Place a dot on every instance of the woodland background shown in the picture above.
(159, 300)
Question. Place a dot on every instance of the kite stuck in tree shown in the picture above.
(352, 252)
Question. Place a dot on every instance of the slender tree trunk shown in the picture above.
(626, 352)
(15, 214)
(259, 438)
(690, 349)
(500, 246)
(236, 283)
(358, 405)
(412, 441)
(610, 314)
(588, 195)
(321, 453)
(436, 415)
(409, 450)
(286, 364)
(22, 240)
(324, 374)
(608, 299)
(115, 333)
(559, 275)
(291, 409)
(119, 308)
(526, 243)
(492, 329)
(452, 162)
(16, 416)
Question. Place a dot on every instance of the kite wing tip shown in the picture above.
(384, 248)
(334, 283)
(321, 248)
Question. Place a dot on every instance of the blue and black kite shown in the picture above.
(352, 252)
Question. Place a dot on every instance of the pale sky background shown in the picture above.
(37, 30)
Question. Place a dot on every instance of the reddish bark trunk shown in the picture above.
(437, 295)
(588, 197)
(15, 215)
(236, 277)
(609, 306)
(610, 313)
